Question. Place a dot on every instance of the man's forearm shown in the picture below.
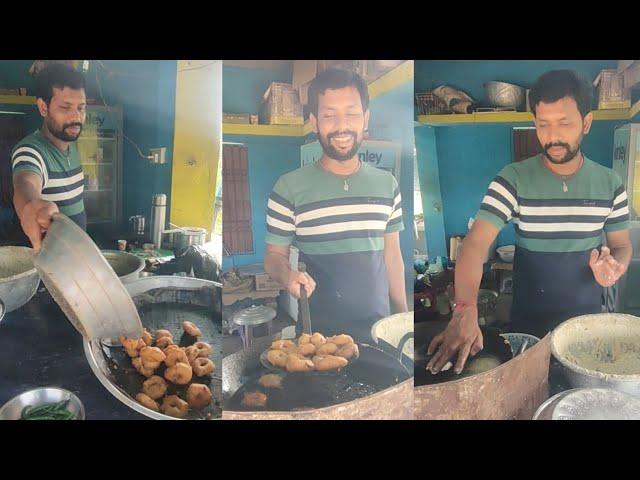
(623, 255)
(468, 273)
(24, 192)
(277, 266)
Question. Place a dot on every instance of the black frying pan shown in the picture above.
(374, 371)
(494, 345)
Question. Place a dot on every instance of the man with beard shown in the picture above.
(343, 216)
(47, 175)
(562, 205)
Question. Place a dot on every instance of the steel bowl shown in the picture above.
(545, 411)
(40, 396)
(597, 404)
(395, 331)
(19, 278)
(505, 95)
(506, 253)
(126, 265)
(517, 339)
(586, 331)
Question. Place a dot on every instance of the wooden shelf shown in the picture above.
(231, 298)
(517, 117)
(82, 137)
(392, 79)
(17, 100)
(509, 117)
(264, 130)
(634, 110)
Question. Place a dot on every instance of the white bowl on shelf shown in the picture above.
(506, 253)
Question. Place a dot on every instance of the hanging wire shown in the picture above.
(198, 67)
(142, 155)
(121, 74)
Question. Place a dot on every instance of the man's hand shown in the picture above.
(35, 219)
(606, 269)
(296, 279)
(462, 336)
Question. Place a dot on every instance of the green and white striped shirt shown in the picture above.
(340, 235)
(61, 174)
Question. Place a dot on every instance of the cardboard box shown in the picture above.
(265, 283)
(630, 71)
(352, 65)
(624, 64)
(374, 69)
(239, 118)
(303, 72)
(281, 105)
(304, 93)
(612, 93)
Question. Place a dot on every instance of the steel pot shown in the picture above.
(505, 95)
(597, 333)
(126, 265)
(184, 237)
(19, 278)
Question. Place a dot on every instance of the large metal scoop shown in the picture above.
(83, 283)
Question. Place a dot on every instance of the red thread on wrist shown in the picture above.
(461, 305)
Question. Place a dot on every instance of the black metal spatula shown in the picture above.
(304, 315)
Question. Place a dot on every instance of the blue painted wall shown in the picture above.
(269, 158)
(469, 156)
(243, 87)
(146, 91)
(429, 177)
(392, 119)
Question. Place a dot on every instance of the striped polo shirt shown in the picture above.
(340, 236)
(61, 174)
(555, 233)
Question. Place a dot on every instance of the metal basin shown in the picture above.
(511, 391)
(545, 411)
(40, 396)
(505, 95)
(517, 339)
(592, 348)
(126, 265)
(597, 404)
(395, 331)
(19, 278)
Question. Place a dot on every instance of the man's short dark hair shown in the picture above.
(557, 84)
(333, 79)
(57, 75)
